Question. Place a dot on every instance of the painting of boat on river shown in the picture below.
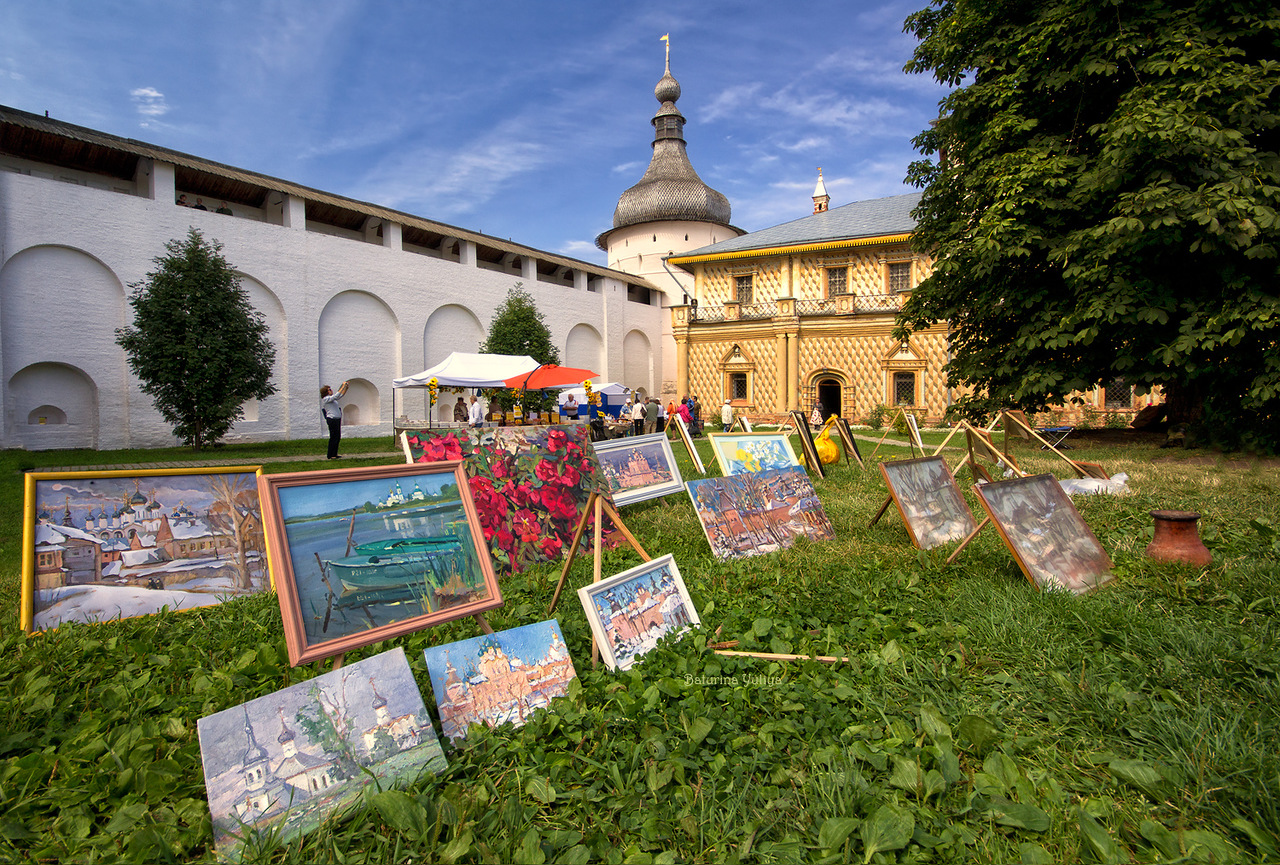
(361, 555)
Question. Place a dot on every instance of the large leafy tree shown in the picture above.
(196, 343)
(1103, 201)
(518, 328)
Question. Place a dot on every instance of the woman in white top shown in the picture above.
(332, 415)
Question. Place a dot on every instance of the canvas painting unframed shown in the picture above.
(499, 678)
(284, 763)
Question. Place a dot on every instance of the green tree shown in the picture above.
(518, 328)
(1103, 202)
(196, 343)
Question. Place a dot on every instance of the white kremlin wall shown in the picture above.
(339, 308)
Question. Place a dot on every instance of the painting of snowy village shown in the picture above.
(365, 554)
(929, 500)
(638, 468)
(499, 678)
(738, 453)
(631, 611)
(108, 545)
(278, 766)
(758, 512)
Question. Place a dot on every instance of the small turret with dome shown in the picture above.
(670, 189)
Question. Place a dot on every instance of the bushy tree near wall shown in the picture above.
(197, 344)
(519, 328)
(1104, 202)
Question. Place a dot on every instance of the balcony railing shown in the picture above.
(758, 310)
(844, 304)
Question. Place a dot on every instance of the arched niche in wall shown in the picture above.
(450, 328)
(362, 404)
(60, 307)
(637, 361)
(54, 405)
(270, 413)
(584, 348)
(359, 339)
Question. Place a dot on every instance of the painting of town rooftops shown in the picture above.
(631, 611)
(755, 513)
(107, 545)
(278, 766)
(499, 678)
(362, 555)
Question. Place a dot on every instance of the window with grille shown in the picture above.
(738, 386)
(904, 388)
(744, 286)
(837, 281)
(1117, 394)
(899, 276)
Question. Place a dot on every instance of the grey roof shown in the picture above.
(873, 218)
(670, 189)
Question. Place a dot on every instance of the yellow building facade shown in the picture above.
(803, 313)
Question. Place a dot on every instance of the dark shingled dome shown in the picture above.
(670, 188)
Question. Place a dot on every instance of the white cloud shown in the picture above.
(583, 250)
(149, 102)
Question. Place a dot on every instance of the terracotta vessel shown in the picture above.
(1177, 539)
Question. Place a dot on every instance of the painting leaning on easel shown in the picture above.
(1046, 534)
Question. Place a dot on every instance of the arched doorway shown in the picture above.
(830, 394)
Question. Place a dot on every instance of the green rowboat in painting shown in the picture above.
(395, 562)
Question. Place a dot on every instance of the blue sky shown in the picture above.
(521, 120)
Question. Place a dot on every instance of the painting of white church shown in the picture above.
(278, 766)
(108, 545)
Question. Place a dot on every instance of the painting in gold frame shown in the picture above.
(929, 501)
(362, 555)
(104, 545)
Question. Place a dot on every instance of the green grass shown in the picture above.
(976, 720)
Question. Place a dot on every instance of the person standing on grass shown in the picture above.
(651, 410)
(726, 415)
(332, 413)
(637, 416)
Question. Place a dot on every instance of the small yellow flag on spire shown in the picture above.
(666, 37)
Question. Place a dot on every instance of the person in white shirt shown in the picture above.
(475, 415)
(571, 408)
(726, 415)
(637, 416)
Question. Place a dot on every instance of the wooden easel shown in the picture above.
(741, 424)
(913, 434)
(827, 426)
(1018, 419)
(888, 501)
(599, 506)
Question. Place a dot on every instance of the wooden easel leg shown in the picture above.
(626, 532)
(483, 623)
(951, 558)
(954, 430)
(573, 551)
(884, 507)
(595, 571)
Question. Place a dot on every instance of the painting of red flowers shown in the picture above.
(529, 483)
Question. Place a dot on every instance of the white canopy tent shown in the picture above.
(459, 369)
(465, 369)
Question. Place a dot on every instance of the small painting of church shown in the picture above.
(114, 544)
(638, 468)
(278, 766)
(631, 611)
(499, 678)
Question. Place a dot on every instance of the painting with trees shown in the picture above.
(1100, 199)
(114, 544)
(280, 765)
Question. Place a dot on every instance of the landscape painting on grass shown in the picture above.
(758, 512)
(1046, 534)
(114, 544)
(499, 678)
(631, 611)
(929, 500)
(637, 468)
(280, 765)
(364, 554)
